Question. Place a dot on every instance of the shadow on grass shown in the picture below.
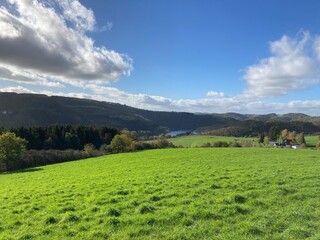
(27, 170)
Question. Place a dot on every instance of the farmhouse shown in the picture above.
(285, 143)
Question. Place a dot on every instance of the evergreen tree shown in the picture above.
(274, 133)
(300, 138)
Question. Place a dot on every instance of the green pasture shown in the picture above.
(199, 140)
(311, 140)
(187, 193)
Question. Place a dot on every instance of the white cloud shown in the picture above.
(136, 100)
(107, 27)
(215, 94)
(18, 89)
(291, 67)
(19, 75)
(206, 105)
(36, 38)
(81, 17)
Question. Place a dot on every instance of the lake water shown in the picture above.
(178, 132)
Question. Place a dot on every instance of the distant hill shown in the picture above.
(39, 110)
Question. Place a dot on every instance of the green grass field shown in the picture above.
(199, 140)
(191, 193)
(311, 141)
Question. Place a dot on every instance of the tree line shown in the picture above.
(256, 128)
(62, 137)
(31, 147)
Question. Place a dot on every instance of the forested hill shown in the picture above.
(40, 110)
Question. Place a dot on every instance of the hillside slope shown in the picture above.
(39, 110)
(167, 194)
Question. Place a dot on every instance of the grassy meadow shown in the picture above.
(193, 193)
(311, 140)
(200, 140)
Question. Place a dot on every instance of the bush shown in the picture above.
(247, 144)
(235, 144)
(143, 146)
(121, 143)
(11, 149)
(220, 144)
(89, 149)
(206, 145)
(162, 142)
(34, 158)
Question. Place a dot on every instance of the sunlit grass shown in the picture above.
(246, 193)
(312, 140)
(200, 140)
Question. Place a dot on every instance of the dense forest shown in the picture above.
(255, 128)
(21, 111)
(61, 137)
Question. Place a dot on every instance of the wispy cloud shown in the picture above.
(215, 94)
(205, 105)
(53, 45)
(108, 26)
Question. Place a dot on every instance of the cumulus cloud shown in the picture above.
(19, 75)
(81, 17)
(52, 44)
(291, 67)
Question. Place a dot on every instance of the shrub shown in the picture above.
(220, 144)
(143, 146)
(206, 145)
(247, 144)
(11, 149)
(162, 142)
(121, 143)
(89, 149)
(34, 158)
(235, 144)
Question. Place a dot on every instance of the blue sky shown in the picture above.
(246, 56)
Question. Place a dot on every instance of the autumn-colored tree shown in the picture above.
(284, 134)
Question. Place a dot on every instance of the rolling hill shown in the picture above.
(190, 193)
(39, 110)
